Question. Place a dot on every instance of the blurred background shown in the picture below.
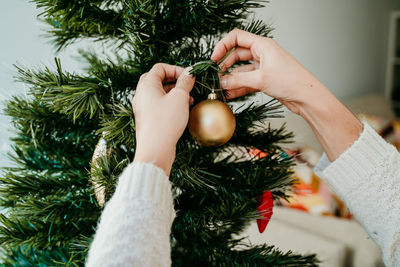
(352, 46)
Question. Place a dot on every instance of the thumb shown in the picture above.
(185, 81)
(249, 79)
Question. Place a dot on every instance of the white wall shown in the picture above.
(343, 42)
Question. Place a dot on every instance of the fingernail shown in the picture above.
(224, 82)
(186, 72)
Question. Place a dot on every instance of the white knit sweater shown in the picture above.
(135, 226)
(134, 229)
(367, 178)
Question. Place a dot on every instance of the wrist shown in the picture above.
(317, 104)
(162, 156)
(335, 127)
(303, 93)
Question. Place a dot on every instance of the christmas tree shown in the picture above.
(52, 197)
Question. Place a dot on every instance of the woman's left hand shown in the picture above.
(161, 113)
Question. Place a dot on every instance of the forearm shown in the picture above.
(136, 223)
(335, 127)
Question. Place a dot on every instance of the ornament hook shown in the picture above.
(212, 96)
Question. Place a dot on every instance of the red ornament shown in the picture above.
(265, 205)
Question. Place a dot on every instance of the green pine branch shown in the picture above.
(85, 95)
(119, 126)
(31, 256)
(73, 20)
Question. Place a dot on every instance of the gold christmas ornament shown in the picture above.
(102, 149)
(212, 122)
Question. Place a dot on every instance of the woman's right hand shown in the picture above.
(273, 71)
(276, 73)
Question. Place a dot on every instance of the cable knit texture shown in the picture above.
(367, 178)
(135, 226)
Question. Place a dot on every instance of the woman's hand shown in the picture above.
(273, 71)
(276, 73)
(161, 113)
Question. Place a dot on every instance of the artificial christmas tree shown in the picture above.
(51, 209)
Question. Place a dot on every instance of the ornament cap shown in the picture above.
(212, 96)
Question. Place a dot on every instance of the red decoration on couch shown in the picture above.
(266, 203)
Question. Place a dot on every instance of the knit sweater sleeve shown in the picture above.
(135, 226)
(367, 178)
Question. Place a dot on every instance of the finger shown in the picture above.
(191, 100)
(162, 72)
(244, 68)
(234, 38)
(238, 54)
(251, 79)
(230, 94)
(168, 87)
(185, 81)
(142, 77)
